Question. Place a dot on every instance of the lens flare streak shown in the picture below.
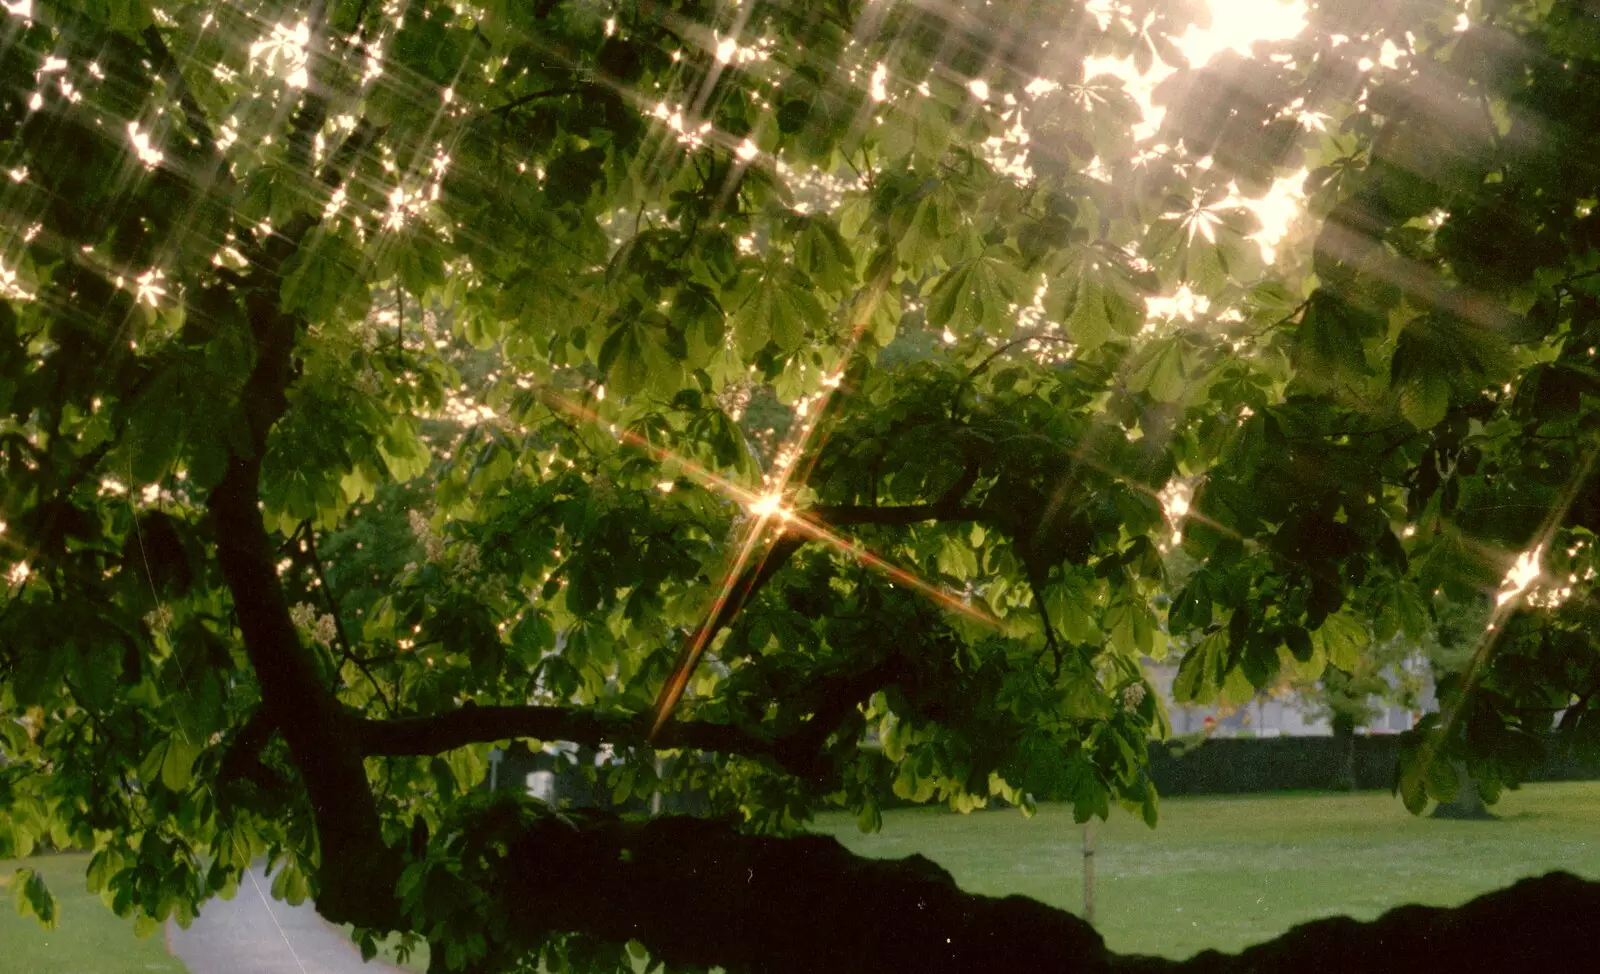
(766, 507)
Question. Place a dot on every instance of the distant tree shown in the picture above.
(1350, 699)
(1457, 638)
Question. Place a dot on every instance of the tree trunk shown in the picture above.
(1088, 872)
(1344, 752)
(1468, 804)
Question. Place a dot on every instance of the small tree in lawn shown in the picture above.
(1456, 641)
(1350, 698)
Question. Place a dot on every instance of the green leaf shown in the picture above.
(1191, 607)
(1411, 776)
(957, 559)
(1159, 371)
(418, 261)
(622, 787)
(635, 357)
(1299, 643)
(949, 297)
(776, 306)
(1149, 809)
(33, 897)
(1093, 296)
(1328, 345)
(976, 294)
(102, 866)
(325, 273)
(159, 423)
(1342, 637)
(795, 310)
(933, 129)
(177, 765)
(1441, 781)
(1424, 401)
(290, 885)
(1088, 323)
(571, 178)
(1131, 627)
(926, 234)
(1200, 675)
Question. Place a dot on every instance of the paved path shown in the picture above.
(256, 934)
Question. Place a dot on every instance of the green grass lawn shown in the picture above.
(1229, 872)
(89, 939)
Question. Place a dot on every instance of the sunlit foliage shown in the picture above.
(859, 391)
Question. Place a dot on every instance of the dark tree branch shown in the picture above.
(958, 491)
(294, 698)
(798, 752)
(851, 515)
(841, 698)
(1543, 923)
(988, 360)
(1050, 644)
(346, 648)
(358, 870)
(699, 893)
(471, 724)
(521, 100)
(1292, 315)
(358, 141)
(307, 122)
(241, 757)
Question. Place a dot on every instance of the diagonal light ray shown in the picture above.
(769, 510)
(768, 513)
(1508, 600)
(793, 446)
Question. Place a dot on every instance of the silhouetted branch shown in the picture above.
(797, 752)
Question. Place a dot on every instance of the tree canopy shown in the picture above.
(775, 381)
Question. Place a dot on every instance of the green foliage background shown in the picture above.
(499, 319)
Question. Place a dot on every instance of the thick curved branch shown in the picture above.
(521, 100)
(294, 697)
(799, 752)
(472, 724)
(241, 758)
(852, 515)
(358, 870)
(1036, 336)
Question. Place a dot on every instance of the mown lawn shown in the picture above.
(89, 939)
(1229, 872)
